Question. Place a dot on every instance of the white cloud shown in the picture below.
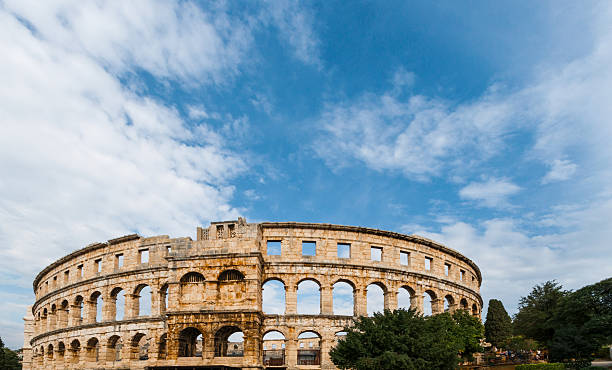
(560, 170)
(295, 24)
(491, 193)
(84, 158)
(167, 39)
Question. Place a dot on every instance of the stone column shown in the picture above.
(327, 300)
(326, 345)
(58, 358)
(131, 306)
(361, 301)
(76, 314)
(156, 298)
(437, 306)
(290, 299)
(291, 353)
(416, 301)
(391, 300)
(174, 293)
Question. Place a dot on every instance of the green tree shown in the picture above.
(582, 323)
(498, 325)
(406, 340)
(534, 318)
(8, 358)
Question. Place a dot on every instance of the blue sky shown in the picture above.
(483, 125)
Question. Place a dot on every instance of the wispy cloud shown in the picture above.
(491, 193)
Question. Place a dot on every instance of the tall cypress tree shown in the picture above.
(498, 326)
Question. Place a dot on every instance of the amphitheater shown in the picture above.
(162, 303)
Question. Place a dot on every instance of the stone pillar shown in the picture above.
(131, 306)
(361, 302)
(416, 301)
(174, 294)
(326, 345)
(75, 317)
(290, 299)
(391, 300)
(156, 298)
(327, 300)
(62, 317)
(28, 333)
(58, 358)
(291, 353)
(437, 306)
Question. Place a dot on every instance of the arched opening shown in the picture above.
(50, 352)
(44, 320)
(343, 296)
(474, 310)
(143, 296)
(61, 351)
(163, 301)
(428, 300)
(191, 343)
(405, 296)
(75, 351)
(192, 287)
(375, 298)
(63, 314)
(97, 304)
(118, 303)
(273, 296)
(140, 347)
(162, 348)
(340, 335)
(309, 348)
(231, 275)
(53, 318)
(229, 342)
(463, 304)
(449, 303)
(42, 354)
(309, 297)
(274, 348)
(78, 315)
(93, 350)
(114, 347)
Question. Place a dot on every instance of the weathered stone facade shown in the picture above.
(205, 291)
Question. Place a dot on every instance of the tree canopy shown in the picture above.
(582, 322)
(498, 325)
(8, 358)
(405, 339)
(534, 318)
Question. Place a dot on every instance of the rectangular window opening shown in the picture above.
(98, 265)
(461, 275)
(404, 258)
(309, 248)
(66, 276)
(274, 248)
(119, 260)
(169, 249)
(447, 268)
(376, 253)
(144, 255)
(428, 263)
(344, 250)
(80, 271)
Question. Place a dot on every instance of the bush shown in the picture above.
(553, 366)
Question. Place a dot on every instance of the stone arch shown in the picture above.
(309, 296)
(163, 298)
(192, 287)
(53, 317)
(114, 348)
(96, 306)
(405, 297)
(75, 351)
(162, 347)
(93, 350)
(78, 308)
(375, 297)
(274, 347)
(50, 351)
(229, 342)
(191, 342)
(474, 309)
(309, 348)
(63, 314)
(449, 303)
(273, 296)
(463, 304)
(343, 297)
(143, 298)
(429, 299)
(231, 275)
(117, 303)
(61, 350)
(139, 347)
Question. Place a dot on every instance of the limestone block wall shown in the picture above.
(161, 302)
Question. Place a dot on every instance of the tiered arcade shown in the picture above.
(161, 303)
